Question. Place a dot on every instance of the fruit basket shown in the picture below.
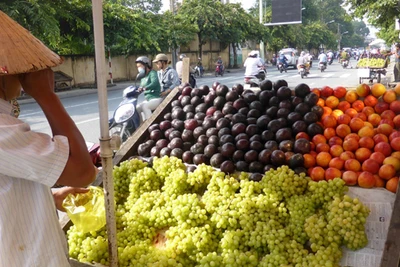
(139, 144)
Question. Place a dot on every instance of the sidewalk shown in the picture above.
(76, 91)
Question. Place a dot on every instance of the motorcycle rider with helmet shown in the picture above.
(322, 59)
(220, 63)
(200, 66)
(283, 59)
(253, 64)
(150, 85)
(330, 56)
(303, 60)
(167, 76)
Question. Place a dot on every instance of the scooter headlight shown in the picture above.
(124, 112)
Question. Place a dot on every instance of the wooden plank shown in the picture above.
(391, 252)
(185, 69)
(129, 148)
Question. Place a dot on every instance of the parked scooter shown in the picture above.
(219, 70)
(126, 119)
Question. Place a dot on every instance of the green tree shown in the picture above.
(380, 14)
(206, 15)
(172, 31)
(239, 26)
(144, 5)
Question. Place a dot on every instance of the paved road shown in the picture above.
(333, 76)
(84, 108)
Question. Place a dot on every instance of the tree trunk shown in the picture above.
(235, 64)
(200, 44)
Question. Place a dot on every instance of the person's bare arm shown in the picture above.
(79, 170)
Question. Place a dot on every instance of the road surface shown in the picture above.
(84, 108)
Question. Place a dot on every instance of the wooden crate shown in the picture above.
(391, 253)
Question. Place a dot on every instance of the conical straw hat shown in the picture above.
(20, 51)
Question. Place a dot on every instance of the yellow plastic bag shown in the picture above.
(87, 210)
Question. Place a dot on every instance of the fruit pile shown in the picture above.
(360, 142)
(237, 130)
(371, 63)
(167, 216)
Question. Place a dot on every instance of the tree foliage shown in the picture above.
(381, 14)
(322, 24)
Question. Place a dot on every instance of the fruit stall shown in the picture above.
(234, 177)
(372, 68)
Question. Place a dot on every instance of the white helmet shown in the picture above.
(182, 56)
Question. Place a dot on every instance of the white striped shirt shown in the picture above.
(30, 163)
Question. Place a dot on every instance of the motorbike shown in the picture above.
(255, 80)
(219, 70)
(330, 60)
(126, 119)
(198, 72)
(281, 67)
(345, 63)
(303, 71)
(322, 66)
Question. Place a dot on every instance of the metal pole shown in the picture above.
(262, 52)
(105, 146)
(339, 37)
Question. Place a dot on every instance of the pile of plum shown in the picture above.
(238, 130)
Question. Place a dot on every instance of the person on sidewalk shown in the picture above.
(397, 61)
(32, 162)
(150, 85)
(167, 76)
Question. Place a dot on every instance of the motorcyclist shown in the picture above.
(322, 58)
(167, 76)
(220, 63)
(150, 85)
(253, 64)
(303, 60)
(273, 60)
(200, 66)
(283, 59)
(330, 55)
(345, 56)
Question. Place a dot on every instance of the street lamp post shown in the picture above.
(340, 35)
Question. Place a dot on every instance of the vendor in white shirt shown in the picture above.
(252, 64)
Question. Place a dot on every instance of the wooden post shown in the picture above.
(185, 70)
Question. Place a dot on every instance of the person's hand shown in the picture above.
(166, 92)
(38, 83)
(62, 193)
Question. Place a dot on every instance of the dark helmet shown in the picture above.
(144, 60)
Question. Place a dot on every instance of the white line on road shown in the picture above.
(82, 122)
(345, 75)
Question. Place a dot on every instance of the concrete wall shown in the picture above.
(82, 68)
